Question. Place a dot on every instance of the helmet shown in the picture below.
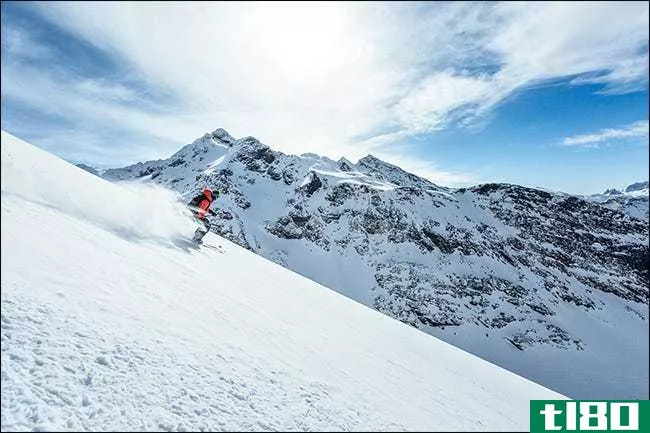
(208, 193)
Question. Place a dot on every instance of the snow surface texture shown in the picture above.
(540, 283)
(109, 323)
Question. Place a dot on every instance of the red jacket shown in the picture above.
(201, 203)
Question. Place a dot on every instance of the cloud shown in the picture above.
(547, 40)
(61, 93)
(21, 45)
(443, 97)
(631, 75)
(329, 78)
(525, 44)
(635, 130)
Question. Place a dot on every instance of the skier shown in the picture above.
(200, 207)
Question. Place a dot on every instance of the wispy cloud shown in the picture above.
(18, 44)
(523, 44)
(316, 77)
(444, 97)
(635, 130)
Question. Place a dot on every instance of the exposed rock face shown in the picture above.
(88, 168)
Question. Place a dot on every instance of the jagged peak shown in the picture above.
(199, 145)
(223, 135)
(249, 143)
(216, 140)
(344, 164)
(345, 160)
(371, 159)
(88, 168)
(637, 186)
(393, 173)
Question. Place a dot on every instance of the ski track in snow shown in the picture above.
(180, 388)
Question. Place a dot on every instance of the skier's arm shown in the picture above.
(216, 196)
(194, 203)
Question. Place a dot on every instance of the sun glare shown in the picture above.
(299, 41)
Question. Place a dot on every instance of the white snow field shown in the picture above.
(109, 323)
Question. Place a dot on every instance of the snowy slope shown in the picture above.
(538, 282)
(632, 200)
(109, 324)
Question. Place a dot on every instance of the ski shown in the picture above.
(218, 248)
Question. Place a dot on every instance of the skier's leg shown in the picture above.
(206, 225)
(202, 230)
(198, 233)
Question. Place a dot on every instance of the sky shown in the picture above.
(548, 95)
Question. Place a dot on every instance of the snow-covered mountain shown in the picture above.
(541, 283)
(110, 324)
(89, 169)
(632, 200)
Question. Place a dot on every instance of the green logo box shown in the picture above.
(589, 415)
